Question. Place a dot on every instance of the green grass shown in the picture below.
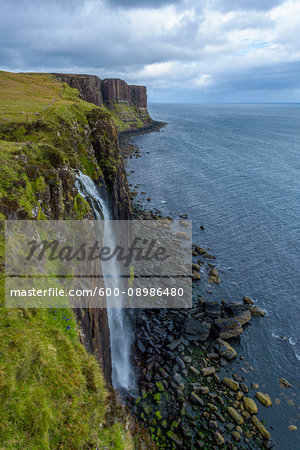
(121, 111)
(52, 393)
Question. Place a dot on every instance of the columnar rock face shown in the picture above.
(89, 86)
(114, 89)
(138, 96)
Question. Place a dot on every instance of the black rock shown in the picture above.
(226, 328)
(194, 330)
(213, 309)
(238, 310)
(141, 347)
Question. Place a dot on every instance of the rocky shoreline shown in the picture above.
(185, 401)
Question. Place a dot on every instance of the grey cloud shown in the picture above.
(109, 41)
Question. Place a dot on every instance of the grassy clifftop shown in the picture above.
(52, 393)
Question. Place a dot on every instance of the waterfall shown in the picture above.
(121, 335)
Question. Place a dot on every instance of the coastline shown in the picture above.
(127, 148)
(221, 408)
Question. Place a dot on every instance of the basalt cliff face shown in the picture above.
(114, 89)
(127, 103)
(89, 86)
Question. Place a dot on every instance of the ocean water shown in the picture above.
(236, 170)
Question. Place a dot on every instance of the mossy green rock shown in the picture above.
(158, 415)
(235, 415)
(147, 409)
(160, 386)
(157, 396)
(229, 382)
(263, 431)
(219, 439)
(264, 398)
(250, 405)
(171, 435)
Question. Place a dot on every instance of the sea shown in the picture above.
(235, 170)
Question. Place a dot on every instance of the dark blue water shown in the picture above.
(236, 170)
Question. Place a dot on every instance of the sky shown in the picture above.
(200, 51)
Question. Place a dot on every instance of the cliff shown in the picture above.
(46, 133)
(114, 89)
(126, 103)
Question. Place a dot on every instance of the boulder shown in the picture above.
(214, 276)
(208, 256)
(225, 350)
(196, 399)
(206, 371)
(257, 311)
(236, 436)
(177, 378)
(265, 433)
(235, 415)
(194, 330)
(264, 398)
(215, 280)
(248, 300)
(196, 276)
(250, 405)
(212, 407)
(199, 250)
(214, 272)
(213, 424)
(239, 395)
(194, 370)
(227, 328)
(174, 344)
(229, 382)
(244, 388)
(213, 309)
(284, 383)
(219, 439)
(239, 311)
(187, 359)
(176, 439)
(141, 347)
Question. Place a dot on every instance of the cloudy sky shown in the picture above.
(182, 50)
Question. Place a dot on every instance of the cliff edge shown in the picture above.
(127, 103)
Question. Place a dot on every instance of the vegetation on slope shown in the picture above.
(125, 117)
(52, 393)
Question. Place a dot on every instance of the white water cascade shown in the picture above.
(121, 335)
